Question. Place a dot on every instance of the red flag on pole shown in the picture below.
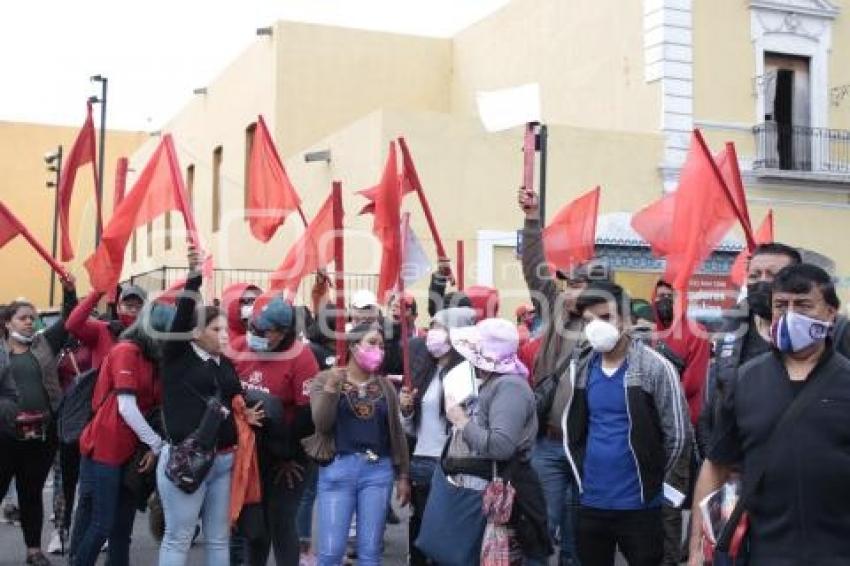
(727, 164)
(764, 235)
(120, 182)
(653, 223)
(411, 179)
(159, 189)
(386, 197)
(10, 227)
(703, 214)
(271, 195)
(312, 251)
(82, 152)
(569, 239)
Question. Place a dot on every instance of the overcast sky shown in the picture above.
(156, 51)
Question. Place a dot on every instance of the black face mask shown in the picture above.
(664, 309)
(759, 298)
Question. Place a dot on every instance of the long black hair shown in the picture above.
(149, 329)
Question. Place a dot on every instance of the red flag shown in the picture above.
(313, 250)
(271, 196)
(369, 208)
(653, 223)
(703, 214)
(159, 189)
(82, 152)
(727, 164)
(569, 239)
(120, 182)
(764, 235)
(386, 202)
(10, 227)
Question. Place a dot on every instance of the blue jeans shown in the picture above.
(550, 462)
(211, 502)
(105, 511)
(352, 483)
(304, 518)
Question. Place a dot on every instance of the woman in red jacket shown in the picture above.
(127, 388)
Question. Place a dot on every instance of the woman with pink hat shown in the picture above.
(497, 430)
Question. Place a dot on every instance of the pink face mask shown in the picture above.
(437, 342)
(369, 358)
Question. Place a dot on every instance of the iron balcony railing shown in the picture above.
(801, 148)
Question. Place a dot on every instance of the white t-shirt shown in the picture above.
(431, 436)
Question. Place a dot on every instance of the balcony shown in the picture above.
(802, 153)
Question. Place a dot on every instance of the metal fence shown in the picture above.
(158, 280)
(801, 148)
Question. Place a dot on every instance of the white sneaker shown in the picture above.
(55, 545)
(307, 559)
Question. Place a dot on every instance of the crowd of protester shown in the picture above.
(586, 427)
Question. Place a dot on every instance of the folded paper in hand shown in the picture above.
(460, 384)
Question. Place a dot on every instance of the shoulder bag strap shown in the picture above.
(792, 413)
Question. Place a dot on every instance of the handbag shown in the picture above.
(190, 460)
(547, 387)
(453, 523)
(731, 530)
(497, 505)
(458, 458)
(32, 425)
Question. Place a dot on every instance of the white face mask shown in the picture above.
(245, 311)
(21, 338)
(603, 336)
(257, 343)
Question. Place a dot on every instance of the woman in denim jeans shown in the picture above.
(127, 388)
(358, 408)
(193, 370)
(424, 412)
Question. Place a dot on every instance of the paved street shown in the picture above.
(144, 548)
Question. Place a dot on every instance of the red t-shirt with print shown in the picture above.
(107, 438)
(286, 375)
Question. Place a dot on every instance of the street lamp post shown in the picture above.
(101, 149)
(53, 160)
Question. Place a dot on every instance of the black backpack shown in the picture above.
(75, 410)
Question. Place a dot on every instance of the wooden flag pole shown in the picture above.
(339, 269)
(405, 331)
(423, 200)
(460, 265)
(23, 231)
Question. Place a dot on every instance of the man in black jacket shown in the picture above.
(743, 336)
(798, 511)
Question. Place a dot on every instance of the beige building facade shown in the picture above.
(622, 86)
(23, 189)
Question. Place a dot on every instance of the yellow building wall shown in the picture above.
(218, 118)
(724, 62)
(839, 65)
(587, 56)
(23, 190)
(328, 77)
